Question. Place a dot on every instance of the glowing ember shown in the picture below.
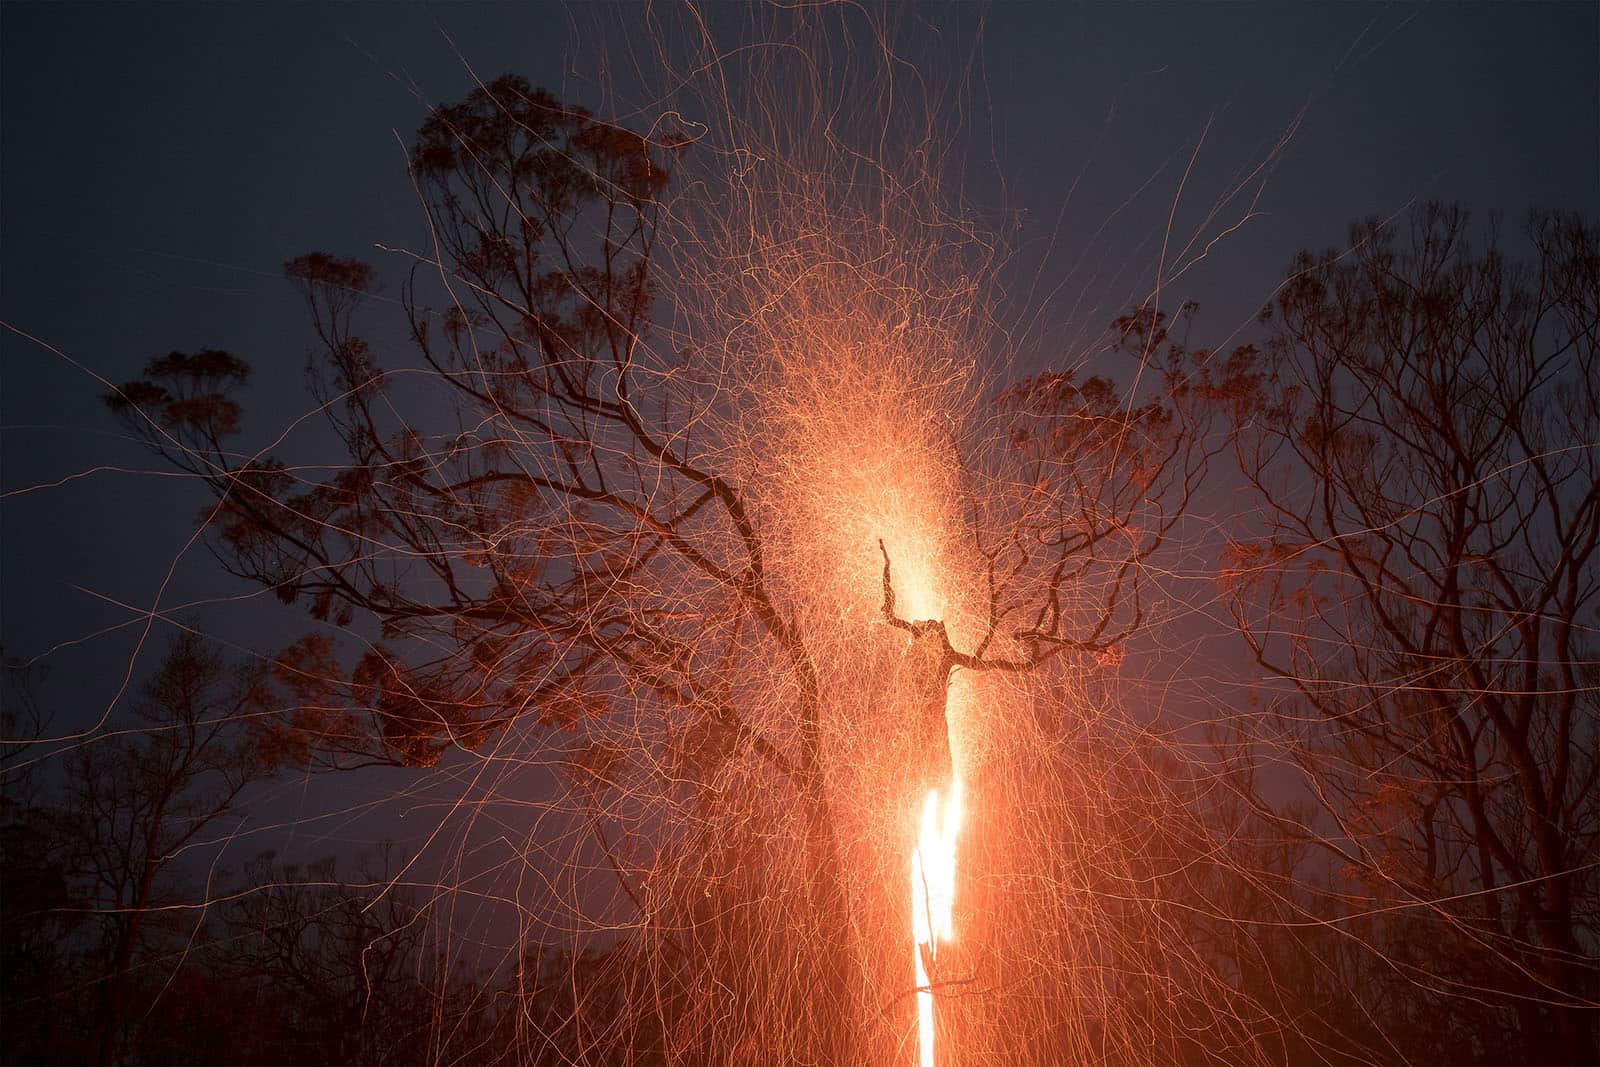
(933, 883)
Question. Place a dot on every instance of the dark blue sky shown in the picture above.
(158, 163)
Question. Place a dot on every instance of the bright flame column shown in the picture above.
(933, 884)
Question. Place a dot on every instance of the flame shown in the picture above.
(933, 883)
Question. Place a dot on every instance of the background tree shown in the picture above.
(1425, 458)
(100, 903)
(40, 911)
(344, 969)
(139, 801)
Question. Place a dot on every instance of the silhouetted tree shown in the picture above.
(140, 798)
(1425, 461)
(348, 969)
(39, 911)
(96, 913)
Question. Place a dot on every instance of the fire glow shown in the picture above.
(855, 445)
(933, 883)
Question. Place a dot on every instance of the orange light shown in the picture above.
(933, 883)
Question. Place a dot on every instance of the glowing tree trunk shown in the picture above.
(933, 860)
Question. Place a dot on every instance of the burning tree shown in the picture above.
(625, 511)
(1424, 585)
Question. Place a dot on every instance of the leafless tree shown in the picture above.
(137, 801)
(1423, 584)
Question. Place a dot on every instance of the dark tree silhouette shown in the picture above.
(1426, 460)
(99, 902)
(139, 800)
(40, 912)
(348, 969)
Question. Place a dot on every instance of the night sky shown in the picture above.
(160, 162)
